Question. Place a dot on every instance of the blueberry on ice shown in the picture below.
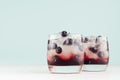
(69, 41)
(48, 41)
(93, 49)
(55, 58)
(101, 54)
(58, 50)
(52, 46)
(64, 33)
(85, 40)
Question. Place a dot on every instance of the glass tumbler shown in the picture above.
(65, 53)
(96, 53)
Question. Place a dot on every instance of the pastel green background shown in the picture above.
(25, 25)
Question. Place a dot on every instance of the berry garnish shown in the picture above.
(93, 49)
(48, 41)
(101, 54)
(64, 33)
(58, 50)
(52, 46)
(69, 41)
(85, 40)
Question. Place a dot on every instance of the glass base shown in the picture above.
(94, 68)
(64, 69)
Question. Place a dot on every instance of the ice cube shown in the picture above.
(92, 38)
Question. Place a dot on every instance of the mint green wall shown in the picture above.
(25, 25)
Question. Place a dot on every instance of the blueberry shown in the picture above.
(85, 40)
(48, 41)
(101, 54)
(89, 61)
(64, 33)
(69, 41)
(52, 46)
(58, 50)
(55, 58)
(93, 49)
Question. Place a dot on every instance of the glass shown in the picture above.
(96, 53)
(65, 53)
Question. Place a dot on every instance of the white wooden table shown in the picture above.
(41, 73)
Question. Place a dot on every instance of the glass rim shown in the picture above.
(57, 35)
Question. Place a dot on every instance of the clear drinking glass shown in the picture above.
(65, 53)
(96, 53)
